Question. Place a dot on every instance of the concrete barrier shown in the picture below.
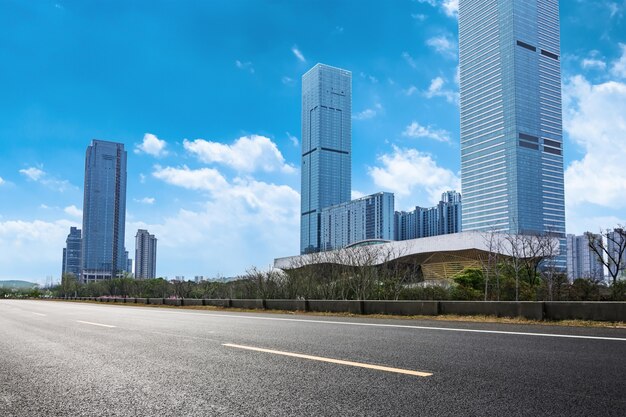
(216, 302)
(129, 300)
(401, 308)
(172, 301)
(287, 305)
(191, 302)
(527, 309)
(141, 300)
(248, 304)
(586, 310)
(157, 301)
(336, 306)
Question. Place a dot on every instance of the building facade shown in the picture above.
(145, 255)
(582, 262)
(511, 127)
(72, 253)
(616, 240)
(326, 147)
(366, 218)
(104, 211)
(443, 219)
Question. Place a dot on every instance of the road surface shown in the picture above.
(77, 359)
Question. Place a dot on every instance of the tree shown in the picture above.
(610, 250)
(69, 285)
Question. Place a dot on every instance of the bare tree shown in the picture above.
(610, 249)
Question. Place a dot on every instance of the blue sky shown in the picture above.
(206, 98)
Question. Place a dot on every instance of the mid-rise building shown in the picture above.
(72, 253)
(366, 218)
(145, 255)
(326, 147)
(443, 219)
(616, 240)
(104, 211)
(511, 126)
(582, 261)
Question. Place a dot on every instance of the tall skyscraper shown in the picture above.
(72, 253)
(442, 219)
(104, 211)
(369, 217)
(326, 147)
(582, 262)
(145, 255)
(511, 128)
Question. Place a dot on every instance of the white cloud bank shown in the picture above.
(247, 154)
(417, 131)
(414, 177)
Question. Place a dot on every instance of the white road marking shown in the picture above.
(38, 314)
(330, 360)
(94, 324)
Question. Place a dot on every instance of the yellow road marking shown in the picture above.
(335, 361)
(94, 324)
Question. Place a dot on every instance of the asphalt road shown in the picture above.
(75, 359)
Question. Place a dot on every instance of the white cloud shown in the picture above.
(590, 63)
(34, 174)
(294, 140)
(418, 16)
(152, 146)
(410, 91)
(2, 181)
(145, 200)
(247, 154)
(444, 45)
(40, 176)
(595, 119)
(449, 7)
(205, 179)
(413, 176)
(298, 53)
(73, 211)
(409, 60)
(618, 68)
(287, 80)
(244, 223)
(247, 66)
(37, 244)
(436, 90)
(368, 113)
(416, 131)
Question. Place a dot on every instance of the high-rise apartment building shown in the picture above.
(511, 127)
(443, 219)
(145, 254)
(582, 262)
(326, 147)
(366, 218)
(104, 211)
(72, 253)
(615, 242)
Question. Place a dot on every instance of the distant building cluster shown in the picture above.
(582, 262)
(329, 219)
(98, 252)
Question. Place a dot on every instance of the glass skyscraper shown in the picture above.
(72, 253)
(326, 147)
(511, 127)
(104, 211)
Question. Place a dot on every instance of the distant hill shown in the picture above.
(17, 284)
